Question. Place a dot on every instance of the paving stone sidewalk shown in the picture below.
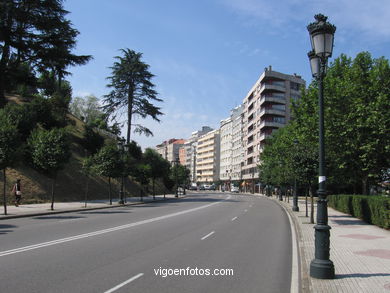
(360, 253)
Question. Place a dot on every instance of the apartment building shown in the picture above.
(237, 143)
(266, 108)
(207, 157)
(225, 167)
(231, 147)
(190, 151)
(169, 149)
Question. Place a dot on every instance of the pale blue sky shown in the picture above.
(206, 54)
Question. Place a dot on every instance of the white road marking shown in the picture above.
(245, 211)
(234, 218)
(99, 232)
(204, 237)
(124, 283)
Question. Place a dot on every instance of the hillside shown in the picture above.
(71, 182)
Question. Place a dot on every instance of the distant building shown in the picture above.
(207, 157)
(169, 149)
(266, 108)
(190, 151)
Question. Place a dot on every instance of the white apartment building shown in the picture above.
(190, 151)
(237, 143)
(231, 147)
(266, 108)
(225, 167)
(207, 157)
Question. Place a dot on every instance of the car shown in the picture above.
(234, 189)
(201, 187)
(193, 187)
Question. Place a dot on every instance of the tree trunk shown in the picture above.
(129, 113)
(365, 186)
(53, 183)
(86, 192)
(154, 193)
(4, 192)
(307, 211)
(312, 205)
(109, 190)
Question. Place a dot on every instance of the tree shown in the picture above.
(37, 34)
(132, 91)
(92, 141)
(9, 144)
(87, 170)
(49, 151)
(108, 162)
(88, 109)
(158, 166)
(180, 175)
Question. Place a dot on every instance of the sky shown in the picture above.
(207, 54)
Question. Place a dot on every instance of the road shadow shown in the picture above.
(57, 217)
(104, 212)
(5, 228)
(347, 220)
(359, 275)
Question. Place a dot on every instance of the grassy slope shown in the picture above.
(70, 182)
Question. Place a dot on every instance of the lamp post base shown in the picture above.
(322, 269)
(295, 209)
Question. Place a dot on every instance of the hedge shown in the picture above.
(371, 209)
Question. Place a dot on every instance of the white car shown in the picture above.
(234, 189)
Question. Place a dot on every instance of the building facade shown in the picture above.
(266, 108)
(169, 149)
(190, 151)
(207, 158)
(231, 148)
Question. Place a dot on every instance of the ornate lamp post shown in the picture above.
(321, 36)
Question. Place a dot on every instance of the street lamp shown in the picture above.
(121, 144)
(295, 196)
(321, 37)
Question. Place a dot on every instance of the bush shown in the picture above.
(371, 209)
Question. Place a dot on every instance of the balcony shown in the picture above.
(264, 136)
(272, 111)
(275, 98)
(277, 86)
(274, 124)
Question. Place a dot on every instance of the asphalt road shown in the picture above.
(244, 239)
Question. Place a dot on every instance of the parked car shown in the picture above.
(201, 187)
(234, 189)
(193, 186)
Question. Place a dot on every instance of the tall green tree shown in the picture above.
(159, 167)
(36, 33)
(9, 146)
(132, 92)
(108, 162)
(49, 152)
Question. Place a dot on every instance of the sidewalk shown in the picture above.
(360, 253)
(67, 207)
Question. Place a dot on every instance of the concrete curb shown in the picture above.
(54, 212)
